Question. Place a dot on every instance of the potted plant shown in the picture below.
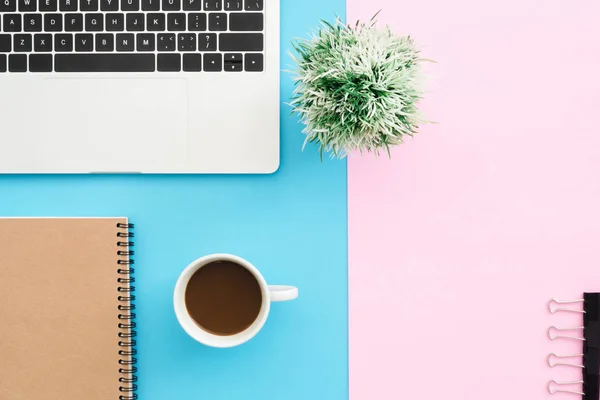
(357, 88)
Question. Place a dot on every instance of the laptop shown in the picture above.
(139, 86)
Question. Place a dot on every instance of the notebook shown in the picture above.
(66, 311)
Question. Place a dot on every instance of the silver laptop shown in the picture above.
(139, 86)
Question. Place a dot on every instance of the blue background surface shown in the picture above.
(292, 225)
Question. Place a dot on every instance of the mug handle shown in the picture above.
(282, 293)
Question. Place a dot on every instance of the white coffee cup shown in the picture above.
(270, 293)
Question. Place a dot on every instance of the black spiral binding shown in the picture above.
(127, 333)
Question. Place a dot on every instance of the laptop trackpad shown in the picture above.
(115, 125)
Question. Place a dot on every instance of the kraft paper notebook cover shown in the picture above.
(65, 310)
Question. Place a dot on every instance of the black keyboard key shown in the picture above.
(67, 5)
(48, 5)
(254, 5)
(192, 5)
(233, 5)
(115, 22)
(165, 42)
(109, 5)
(84, 42)
(135, 22)
(171, 5)
(105, 42)
(253, 62)
(233, 66)
(5, 43)
(94, 22)
(176, 22)
(233, 57)
(186, 42)
(150, 5)
(241, 22)
(196, 22)
(17, 62)
(8, 6)
(22, 43)
(125, 42)
(241, 42)
(40, 63)
(213, 5)
(2, 62)
(168, 62)
(11, 22)
(53, 23)
(27, 5)
(213, 62)
(192, 62)
(74, 22)
(207, 42)
(88, 5)
(42, 42)
(104, 63)
(63, 42)
(145, 42)
(217, 22)
(155, 22)
(233, 62)
(130, 5)
(32, 22)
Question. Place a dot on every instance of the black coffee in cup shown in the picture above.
(223, 298)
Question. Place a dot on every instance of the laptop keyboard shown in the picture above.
(131, 36)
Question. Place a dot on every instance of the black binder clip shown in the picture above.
(590, 384)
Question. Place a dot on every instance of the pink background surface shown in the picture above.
(457, 244)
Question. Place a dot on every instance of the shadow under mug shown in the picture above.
(269, 293)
